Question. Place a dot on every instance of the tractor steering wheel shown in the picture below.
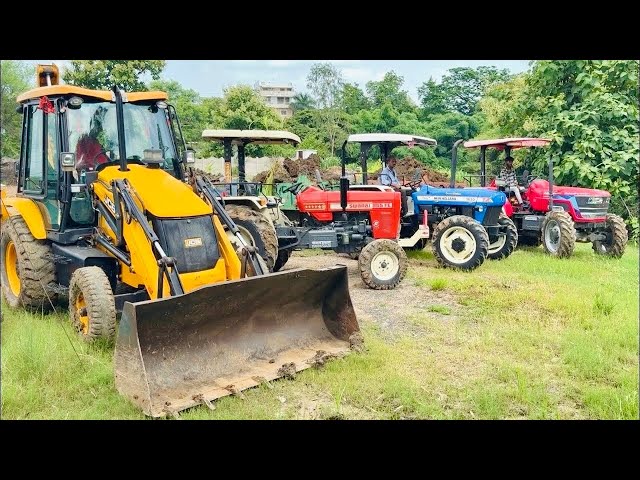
(294, 189)
(414, 183)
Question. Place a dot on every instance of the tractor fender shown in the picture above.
(29, 211)
(507, 209)
(251, 202)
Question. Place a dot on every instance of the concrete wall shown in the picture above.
(253, 166)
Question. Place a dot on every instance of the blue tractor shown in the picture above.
(465, 225)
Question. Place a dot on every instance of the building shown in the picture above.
(277, 96)
(305, 153)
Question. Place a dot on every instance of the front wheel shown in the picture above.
(460, 242)
(505, 244)
(91, 304)
(617, 237)
(558, 234)
(383, 264)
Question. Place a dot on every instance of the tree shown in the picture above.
(460, 90)
(14, 79)
(193, 114)
(353, 99)
(103, 74)
(325, 83)
(302, 101)
(389, 90)
(589, 108)
(243, 108)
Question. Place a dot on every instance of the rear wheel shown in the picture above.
(617, 237)
(460, 242)
(383, 264)
(91, 305)
(27, 268)
(257, 231)
(558, 234)
(506, 244)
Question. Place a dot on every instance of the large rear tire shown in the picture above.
(383, 264)
(460, 242)
(27, 267)
(91, 305)
(617, 238)
(257, 230)
(558, 234)
(505, 245)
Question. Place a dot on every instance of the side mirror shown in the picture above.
(189, 156)
(68, 161)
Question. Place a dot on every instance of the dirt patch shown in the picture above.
(392, 310)
(8, 171)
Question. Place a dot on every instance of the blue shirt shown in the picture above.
(388, 176)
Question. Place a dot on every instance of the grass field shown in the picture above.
(531, 337)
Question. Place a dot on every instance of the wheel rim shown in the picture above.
(498, 244)
(457, 245)
(385, 265)
(81, 312)
(552, 236)
(246, 236)
(11, 262)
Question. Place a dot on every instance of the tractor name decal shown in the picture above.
(313, 206)
(192, 242)
(446, 198)
(594, 200)
(362, 205)
(110, 205)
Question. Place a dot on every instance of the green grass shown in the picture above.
(528, 337)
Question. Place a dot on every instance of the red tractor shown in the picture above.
(555, 216)
(363, 223)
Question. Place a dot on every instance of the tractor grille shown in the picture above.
(491, 216)
(593, 206)
(191, 241)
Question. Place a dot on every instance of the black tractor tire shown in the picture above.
(382, 264)
(260, 229)
(558, 234)
(27, 267)
(91, 304)
(450, 238)
(506, 244)
(617, 238)
(283, 257)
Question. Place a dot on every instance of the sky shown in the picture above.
(210, 77)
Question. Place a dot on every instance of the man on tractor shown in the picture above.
(508, 176)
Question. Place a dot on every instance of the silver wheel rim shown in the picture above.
(244, 233)
(385, 265)
(552, 236)
(451, 242)
(498, 244)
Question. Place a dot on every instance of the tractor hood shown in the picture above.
(458, 196)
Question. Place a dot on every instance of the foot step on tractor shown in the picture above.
(105, 220)
(555, 216)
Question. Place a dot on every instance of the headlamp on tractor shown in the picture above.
(152, 157)
(75, 102)
(68, 161)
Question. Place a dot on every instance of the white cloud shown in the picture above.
(361, 75)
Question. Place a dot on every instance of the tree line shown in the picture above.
(589, 108)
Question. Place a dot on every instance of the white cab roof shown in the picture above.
(391, 137)
(273, 137)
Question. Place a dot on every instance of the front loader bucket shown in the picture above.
(186, 350)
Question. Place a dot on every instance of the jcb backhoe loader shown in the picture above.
(104, 216)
